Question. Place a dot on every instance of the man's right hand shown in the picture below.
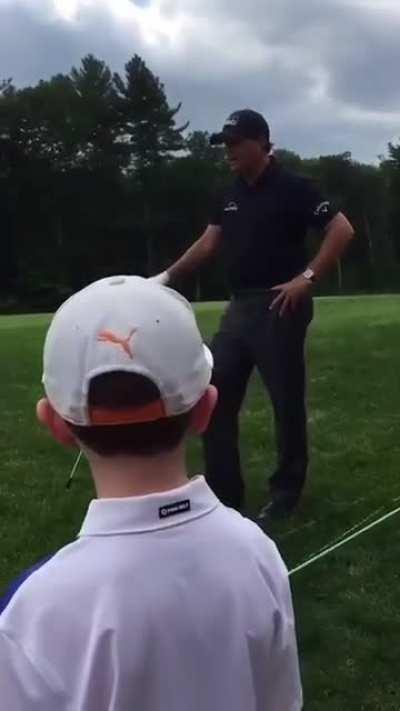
(194, 257)
(162, 278)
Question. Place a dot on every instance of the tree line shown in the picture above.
(98, 176)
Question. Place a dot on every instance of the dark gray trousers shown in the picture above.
(252, 335)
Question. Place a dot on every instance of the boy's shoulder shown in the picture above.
(52, 576)
(247, 534)
(73, 576)
(19, 581)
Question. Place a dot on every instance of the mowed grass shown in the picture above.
(348, 604)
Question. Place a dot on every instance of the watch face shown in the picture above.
(309, 274)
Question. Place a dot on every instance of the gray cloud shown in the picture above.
(325, 74)
(365, 70)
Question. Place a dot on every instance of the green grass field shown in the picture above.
(348, 604)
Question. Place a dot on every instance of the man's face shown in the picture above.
(244, 154)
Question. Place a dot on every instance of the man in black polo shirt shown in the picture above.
(260, 225)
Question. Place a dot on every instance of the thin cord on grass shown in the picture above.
(352, 529)
(73, 470)
(336, 546)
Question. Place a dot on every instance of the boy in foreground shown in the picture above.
(167, 601)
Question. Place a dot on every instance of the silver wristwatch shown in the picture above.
(309, 274)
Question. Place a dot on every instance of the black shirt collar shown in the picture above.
(265, 178)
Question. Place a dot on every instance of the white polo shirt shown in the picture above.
(166, 602)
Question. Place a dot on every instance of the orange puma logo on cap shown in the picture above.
(110, 337)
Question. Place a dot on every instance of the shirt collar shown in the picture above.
(153, 512)
(267, 176)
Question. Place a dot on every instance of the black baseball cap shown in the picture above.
(241, 125)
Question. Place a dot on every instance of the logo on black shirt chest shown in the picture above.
(231, 207)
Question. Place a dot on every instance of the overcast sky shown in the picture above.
(325, 73)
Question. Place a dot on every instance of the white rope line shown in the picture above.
(353, 528)
(74, 468)
(345, 505)
(334, 547)
(292, 531)
(313, 522)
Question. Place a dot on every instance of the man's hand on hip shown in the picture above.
(290, 294)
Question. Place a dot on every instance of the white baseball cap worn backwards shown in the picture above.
(130, 324)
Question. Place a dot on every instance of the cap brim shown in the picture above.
(228, 134)
(217, 139)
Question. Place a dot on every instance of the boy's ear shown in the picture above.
(58, 428)
(203, 411)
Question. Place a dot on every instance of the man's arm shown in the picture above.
(198, 254)
(338, 235)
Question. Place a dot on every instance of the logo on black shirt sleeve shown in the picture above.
(322, 209)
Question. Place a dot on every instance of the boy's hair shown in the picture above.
(120, 390)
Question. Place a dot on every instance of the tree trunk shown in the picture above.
(150, 242)
(340, 276)
(369, 240)
(60, 251)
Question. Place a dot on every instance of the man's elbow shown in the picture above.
(344, 227)
(349, 231)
